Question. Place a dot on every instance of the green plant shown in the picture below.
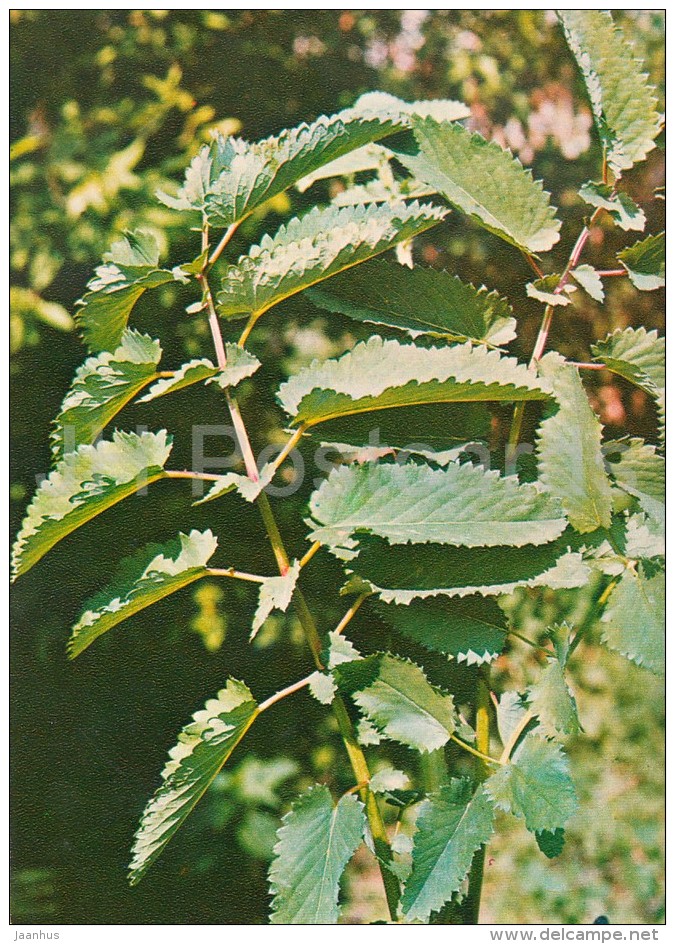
(431, 543)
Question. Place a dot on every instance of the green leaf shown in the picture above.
(230, 178)
(553, 703)
(620, 207)
(471, 630)
(437, 433)
(645, 537)
(645, 262)
(102, 386)
(634, 619)
(387, 779)
(638, 469)
(308, 250)
(569, 450)
(150, 575)
(419, 301)
(377, 191)
(240, 365)
(543, 290)
(624, 106)
(588, 278)
(275, 594)
(322, 687)
(486, 182)
(402, 573)
(637, 355)
(377, 374)
(551, 842)
(536, 785)
(340, 650)
(130, 268)
(203, 747)
(82, 485)
(452, 825)
(316, 842)
(510, 711)
(411, 503)
(396, 697)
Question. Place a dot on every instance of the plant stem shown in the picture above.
(237, 574)
(545, 327)
(481, 755)
(515, 737)
(229, 233)
(354, 751)
(346, 619)
(471, 905)
(310, 554)
(290, 690)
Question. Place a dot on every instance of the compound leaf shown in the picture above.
(396, 697)
(316, 842)
(471, 630)
(645, 262)
(377, 375)
(312, 248)
(129, 269)
(569, 450)
(150, 575)
(452, 825)
(623, 104)
(486, 182)
(102, 386)
(418, 301)
(634, 619)
(85, 483)
(411, 503)
(203, 747)
(639, 356)
(535, 785)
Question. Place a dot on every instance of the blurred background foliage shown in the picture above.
(106, 107)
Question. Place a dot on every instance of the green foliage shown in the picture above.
(396, 697)
(85, 483)
(308, 250)
(102, 386)
(240, 365)
(569, 450)
(379, 374)
(421, 301)
(471, 630)
(315, 844)
(433, 545)
(634, 621)
(275, 594)
(485, 182)
(130, 269)
(459, 505)
(147, 577)
(203, 747)
(624, 211)
(451, 827)
(645, 262)
(535, 785)
(624, 106)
